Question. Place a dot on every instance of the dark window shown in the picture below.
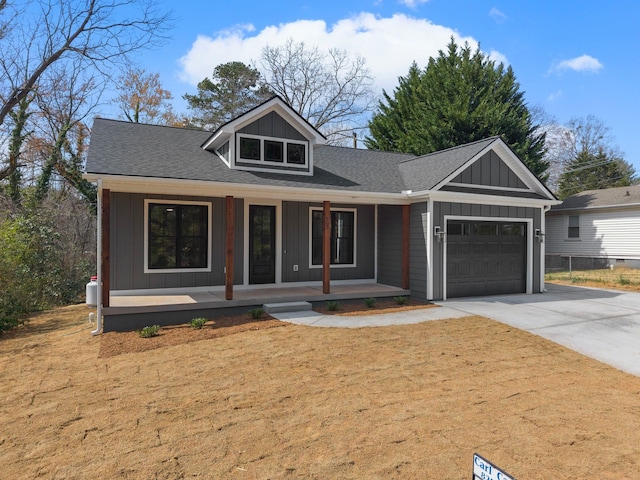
(273, 151)
(250, 148)
(574, 226)
(178, 236)
(485, 229)
(342, 237)
(458, 229)
(295, 153)
(513, 230)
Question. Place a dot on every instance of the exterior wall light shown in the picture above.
(539, 236)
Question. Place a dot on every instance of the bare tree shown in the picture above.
(142, 98)
(46, 32)
(68, 99)
(330, 90)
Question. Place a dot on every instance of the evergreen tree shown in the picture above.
(590, 171)
(233, 89)
(460, 97)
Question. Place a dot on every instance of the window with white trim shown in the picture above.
(274, 151)
(573, 226)
(343, 237)
(177, 236)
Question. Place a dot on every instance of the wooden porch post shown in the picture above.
(406, 211)
(105, 225)
(326, 247)
(228, 285)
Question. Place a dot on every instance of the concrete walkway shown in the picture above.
(602, 324)
(315, 319)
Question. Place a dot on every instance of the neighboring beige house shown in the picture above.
(597, 228)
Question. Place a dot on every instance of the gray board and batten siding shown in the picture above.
(418, 243)
(273, 125)
(390, 245)
(127, 245)
(295, 244)
(489, 170)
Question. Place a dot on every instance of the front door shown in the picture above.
(262, 244)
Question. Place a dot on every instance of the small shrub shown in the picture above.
(624, 281)
(149, 331)
(333, 306)
(256, 313)
(198, 323)
(370, 302)
(400, 300)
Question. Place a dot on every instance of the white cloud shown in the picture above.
(412, 3)
(552, 97)
(498, 57)
(584, 63)
(389, 45)
(497, 15)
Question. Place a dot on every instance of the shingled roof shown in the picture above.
(610, 197)
(121, 148)
(425, 172)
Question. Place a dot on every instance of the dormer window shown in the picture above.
(271, 138)
(249, 148)
(258, 150)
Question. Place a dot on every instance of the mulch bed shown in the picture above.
(118, 343)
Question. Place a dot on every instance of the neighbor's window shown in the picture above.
(342, 237)
(178, 236)
(574, 226)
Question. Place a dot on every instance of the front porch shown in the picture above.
(134, 311)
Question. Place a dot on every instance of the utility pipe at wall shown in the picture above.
(99, 262)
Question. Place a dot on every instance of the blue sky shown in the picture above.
(572, 58)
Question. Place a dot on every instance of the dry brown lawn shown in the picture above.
(410, 401)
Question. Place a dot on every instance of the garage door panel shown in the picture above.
(488, 258)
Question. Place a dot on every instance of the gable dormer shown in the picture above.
(269, 138)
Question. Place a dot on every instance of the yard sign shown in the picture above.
(485, 470)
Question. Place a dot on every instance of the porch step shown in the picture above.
(286, 307)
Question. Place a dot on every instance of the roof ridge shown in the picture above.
(493, 138)
(143, 124)
(604, 190)
(367, 150)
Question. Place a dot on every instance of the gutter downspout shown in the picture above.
(99, 262)
(543, 228)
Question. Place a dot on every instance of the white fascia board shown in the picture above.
(147, 185)
(526, 175)
(511, 160)
(217, 139)
(478, 198)
(286, 112)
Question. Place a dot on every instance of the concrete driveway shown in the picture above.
(602, 324)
